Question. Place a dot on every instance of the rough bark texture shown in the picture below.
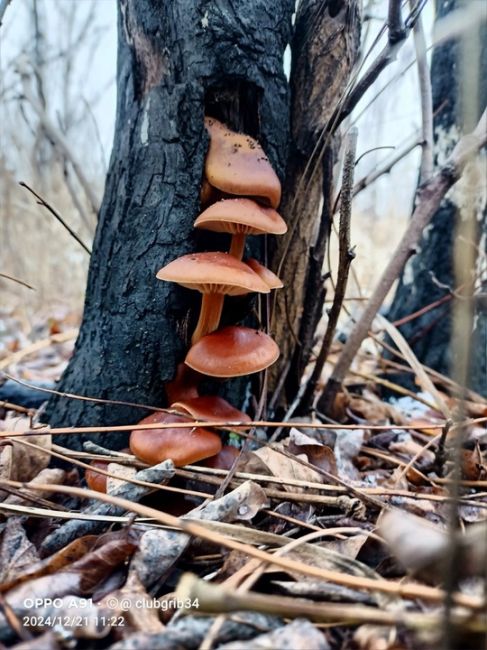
(324, 49)
(173, 57)
(429, 274)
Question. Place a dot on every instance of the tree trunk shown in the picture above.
(428, 276)
(325, 48)
(176, 60)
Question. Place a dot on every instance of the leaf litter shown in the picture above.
(326, 538)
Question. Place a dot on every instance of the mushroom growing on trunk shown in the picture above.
(182, 445)
(214, 275)
(241, 217)
(236, 164)
(232, 352)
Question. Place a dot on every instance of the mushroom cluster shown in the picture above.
(240, 193)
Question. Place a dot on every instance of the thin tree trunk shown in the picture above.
(428, 276)
(325, 48)
(176, 59)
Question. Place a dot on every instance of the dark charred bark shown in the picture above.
(176, 59)
(428, 277)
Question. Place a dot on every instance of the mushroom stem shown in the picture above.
(237, 246)
(211, 310)
(184, 386)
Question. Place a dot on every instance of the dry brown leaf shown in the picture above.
(46, 477)
(349, 547)
(67, 555)
(319, 455)
(22, 462)
(80, 577)
(286, 468)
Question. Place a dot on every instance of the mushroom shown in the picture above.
(236, 164)
(215, 275)
(183, 386)
(182, 445)
(223, 460)
(240, 217)
(232, 352)
(265, 274)
(95, 480)
(211, 408)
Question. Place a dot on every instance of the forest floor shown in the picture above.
(330, 533)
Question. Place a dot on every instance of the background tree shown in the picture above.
(428, 277)
(176, 62)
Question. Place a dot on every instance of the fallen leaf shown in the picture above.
(319, 455)
(67, 555)
(16, 551)
(283, 467)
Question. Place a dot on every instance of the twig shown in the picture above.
(429, 199)
(370, 178)
(426, 166)
(213, 598)
(345, 258)
(56, 137)
(215, 424)
(96, 400)
(398, 34)
(21, 282)
(56, 215)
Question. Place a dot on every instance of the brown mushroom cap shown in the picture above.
(265, 274)
(232, 351)
(241, 216)
(94, 480)
(211, 408)
(223, 460)
(213, 273)
(183, 446)
(236, 164)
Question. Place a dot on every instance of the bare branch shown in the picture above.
(429, 199)
(370, 178)
(345, 257)
(17, 280)
(56, 136)
(57, 216)
(426, 167)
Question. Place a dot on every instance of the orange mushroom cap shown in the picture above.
(265, 274)
(211, 408)
(232, 351)
(213, 273)
(236, 164)
(241, 216)
(183, 446)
